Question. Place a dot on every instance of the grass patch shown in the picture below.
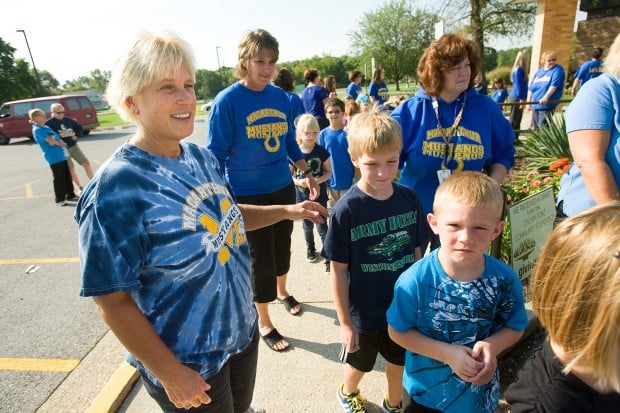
(111, 118)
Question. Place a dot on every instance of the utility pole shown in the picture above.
(34, 67)
(219, 68)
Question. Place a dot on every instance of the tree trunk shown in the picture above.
(477, 31)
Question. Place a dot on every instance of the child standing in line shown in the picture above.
(334, 139)
(576, 296)
(374, 234)
(500, 94)
(458, 308)
(317, 158)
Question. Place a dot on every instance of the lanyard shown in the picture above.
(447, 138)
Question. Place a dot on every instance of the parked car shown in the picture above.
(207, 106)
(14, 115)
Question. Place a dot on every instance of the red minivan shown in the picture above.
(14, 115)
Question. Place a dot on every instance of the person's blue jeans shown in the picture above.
(231, 388)
(539, 117)
(308, 225)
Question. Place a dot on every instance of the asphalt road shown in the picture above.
(47, 329)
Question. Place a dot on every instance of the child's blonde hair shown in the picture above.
(33, 112)
(305, 123)
(370, 132)
(473, 189)
(576, 291)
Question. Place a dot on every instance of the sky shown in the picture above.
(71, 38)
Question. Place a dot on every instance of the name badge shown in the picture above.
(443, 174)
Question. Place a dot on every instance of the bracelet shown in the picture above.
(308, 171)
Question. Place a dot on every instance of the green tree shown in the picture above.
(490, 59)
(489, 18)
(16, 81)
(395, 35)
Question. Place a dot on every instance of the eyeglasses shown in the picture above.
(459, 68)
(334, 112)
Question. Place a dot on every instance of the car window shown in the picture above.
(84, 102)
(5, 111)
(44, 105)
(21, 109)
(72, 104)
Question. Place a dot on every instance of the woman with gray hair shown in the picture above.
(162, 242)
(593, 126)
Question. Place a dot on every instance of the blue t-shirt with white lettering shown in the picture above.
(168, 231)
(542, 80)
(589, 70)
(377, 238)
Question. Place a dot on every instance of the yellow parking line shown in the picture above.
(39, 261)
(54, 365)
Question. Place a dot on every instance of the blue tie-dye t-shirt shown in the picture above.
(463, 313)
(168, 231)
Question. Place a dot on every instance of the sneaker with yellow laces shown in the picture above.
(352, 402)
(386, 408)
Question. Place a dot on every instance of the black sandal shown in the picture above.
(273, 338)
(290, 303)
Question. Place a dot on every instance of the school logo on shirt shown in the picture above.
(224, 228)
(270, 132)
(435, 146)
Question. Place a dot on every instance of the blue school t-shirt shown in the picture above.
(252, 135)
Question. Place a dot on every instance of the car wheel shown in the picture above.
(4, 140)
(86, 132)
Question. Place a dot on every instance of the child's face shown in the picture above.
(309, 137)
(464, 231)
(377, 170)
(334, 113)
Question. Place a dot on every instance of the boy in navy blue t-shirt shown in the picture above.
(374, 234)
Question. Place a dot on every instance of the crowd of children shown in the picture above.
(441, 320)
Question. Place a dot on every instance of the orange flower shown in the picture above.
(560, 163)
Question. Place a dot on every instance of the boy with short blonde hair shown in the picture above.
(374, 233)
(458, 308)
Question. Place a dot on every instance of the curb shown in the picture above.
(116, 389)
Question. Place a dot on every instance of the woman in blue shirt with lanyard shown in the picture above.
(447, 126)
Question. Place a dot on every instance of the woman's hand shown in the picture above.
(186, 388)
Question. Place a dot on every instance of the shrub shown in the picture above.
(502, 72)
(546, 157)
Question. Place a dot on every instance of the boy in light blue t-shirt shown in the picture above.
(456, 309)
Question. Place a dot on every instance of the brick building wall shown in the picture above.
(591, 33)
